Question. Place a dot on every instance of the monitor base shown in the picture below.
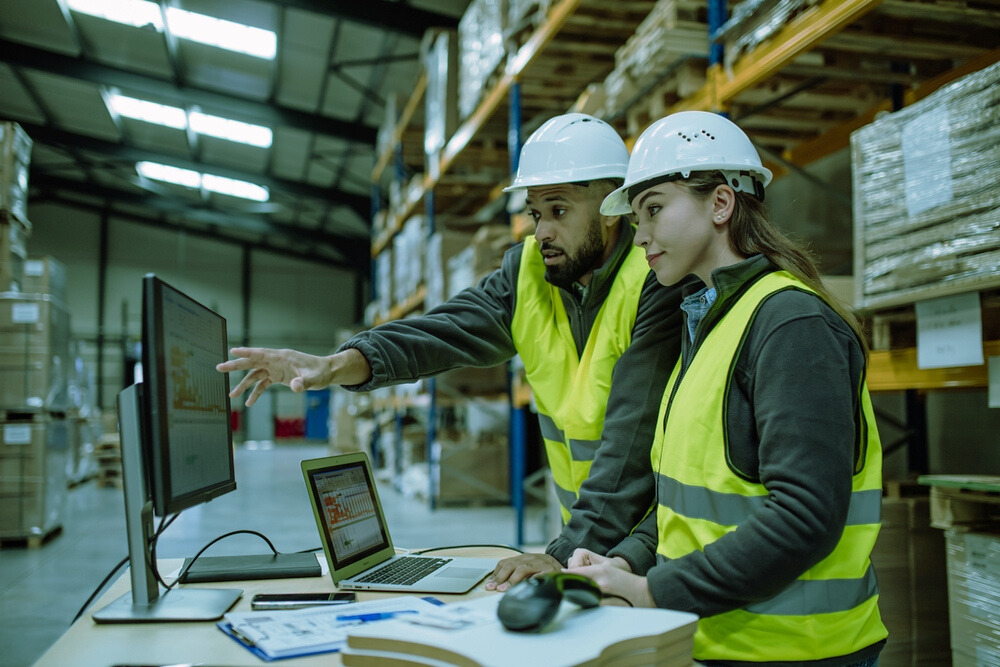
(177, 604)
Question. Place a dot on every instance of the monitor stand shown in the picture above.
(145, 603)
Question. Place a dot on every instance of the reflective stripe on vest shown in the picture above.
(832, 609)
(571, 390)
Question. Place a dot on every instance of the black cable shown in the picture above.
(99, 588)
(191, 562)
(152, 545)
(618, 597)
(467, 546)
(151, 564)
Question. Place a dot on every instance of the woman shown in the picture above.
(768, 489)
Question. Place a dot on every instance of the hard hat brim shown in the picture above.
(617, 203)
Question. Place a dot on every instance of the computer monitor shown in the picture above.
(177, 446)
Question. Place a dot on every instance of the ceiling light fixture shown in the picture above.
(233, 130)
(202, 123)
(223, 34)
(151, 112)
(183, 24)
(138, 13)
(195, 180)
(162, 172)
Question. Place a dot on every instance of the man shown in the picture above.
(572, 300)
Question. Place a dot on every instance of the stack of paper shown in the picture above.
(469, 634)
(287, 633)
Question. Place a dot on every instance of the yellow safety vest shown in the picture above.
(830, 610)
(571, 390)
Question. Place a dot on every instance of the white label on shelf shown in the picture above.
(926, 143)
(17, 434)
(24, 313)
(949, 332)
(34, 268)
(994, 382)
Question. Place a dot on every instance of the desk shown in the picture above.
(88, 644)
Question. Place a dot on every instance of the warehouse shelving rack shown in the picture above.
(799, 94)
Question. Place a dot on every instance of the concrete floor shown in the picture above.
(43, 589)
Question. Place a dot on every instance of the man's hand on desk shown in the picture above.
(509, 571)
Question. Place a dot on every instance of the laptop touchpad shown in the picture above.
(459, 572)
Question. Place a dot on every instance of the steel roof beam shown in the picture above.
(160, 223)
(392, 16)
(346, 249)
(56, 137)
(183, 94)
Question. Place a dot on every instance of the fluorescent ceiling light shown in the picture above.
(184, 25)
(151, 112)
(193, 179)
(223, 34)
(136, 13)
(234, 188)
(168, 174)
(177, 118)
(233, 130)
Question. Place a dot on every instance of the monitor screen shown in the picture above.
(189, 436)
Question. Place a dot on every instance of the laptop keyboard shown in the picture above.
(404, 571)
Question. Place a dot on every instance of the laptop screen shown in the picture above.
(345, 498)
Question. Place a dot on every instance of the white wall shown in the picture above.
(293, 303)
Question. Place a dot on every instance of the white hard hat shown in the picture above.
(570, 148)
(690, 141)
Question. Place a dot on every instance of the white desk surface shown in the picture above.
(89, 644)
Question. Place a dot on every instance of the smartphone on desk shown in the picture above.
(298, 600)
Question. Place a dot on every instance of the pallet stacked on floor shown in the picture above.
(35, 434)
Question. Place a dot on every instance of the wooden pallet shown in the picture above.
(29, 541)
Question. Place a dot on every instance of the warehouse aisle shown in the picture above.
(41, 590)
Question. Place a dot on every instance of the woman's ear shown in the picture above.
(723, 203)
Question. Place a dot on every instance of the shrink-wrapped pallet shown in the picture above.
(926, 207)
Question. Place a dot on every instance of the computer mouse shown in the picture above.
(531, 604)
(579, 590)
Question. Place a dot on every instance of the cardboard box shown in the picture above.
(14, 234)
(44, 275)
(15, 158)
(974, 596)
(33, 488)
(472, 470)
(34, 353)
(909, 561)
(441, 247)
(440, 59)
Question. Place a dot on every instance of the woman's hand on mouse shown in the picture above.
(613, 576)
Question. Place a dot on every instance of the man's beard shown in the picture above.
(585, 260)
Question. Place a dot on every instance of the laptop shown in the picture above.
(356, 537)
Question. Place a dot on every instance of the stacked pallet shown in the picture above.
(926, 211)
